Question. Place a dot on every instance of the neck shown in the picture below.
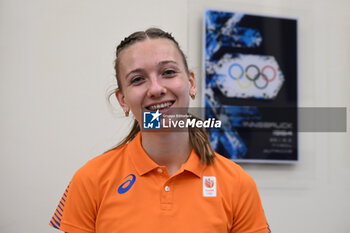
(167, 149)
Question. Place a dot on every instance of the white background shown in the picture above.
(56, 66)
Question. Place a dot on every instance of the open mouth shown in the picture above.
(160, 106)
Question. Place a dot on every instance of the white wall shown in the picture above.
(56, 64)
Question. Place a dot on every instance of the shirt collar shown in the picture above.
(144, 164)
(193, 164)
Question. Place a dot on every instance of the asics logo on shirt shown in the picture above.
(124, 187)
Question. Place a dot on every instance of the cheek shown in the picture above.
(181, 87)
(134, 100)
(135, 107)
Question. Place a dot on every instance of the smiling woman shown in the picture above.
(152, 75)
(162, 53)
(159, 181)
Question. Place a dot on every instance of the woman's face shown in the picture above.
(153, 77)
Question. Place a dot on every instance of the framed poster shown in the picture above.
(250, 84)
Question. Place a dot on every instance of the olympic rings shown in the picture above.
(257, 71)
(265, 85)
(273, 70)
(253, 74)
(230, 71)
(244, 86)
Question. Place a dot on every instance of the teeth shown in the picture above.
(160, 106)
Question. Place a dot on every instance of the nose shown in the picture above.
(155, 88)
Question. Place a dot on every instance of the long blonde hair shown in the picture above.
(198, 138)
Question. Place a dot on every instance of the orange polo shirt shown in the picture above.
(124, 191)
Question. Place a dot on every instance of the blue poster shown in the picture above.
(250, 84)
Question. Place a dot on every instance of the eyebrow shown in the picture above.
(139, 70)
(166, 62)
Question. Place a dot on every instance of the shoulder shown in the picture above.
(232, 172)
(96, 167)
(228, 166)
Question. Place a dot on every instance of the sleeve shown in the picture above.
(77, 209)
(249, 216)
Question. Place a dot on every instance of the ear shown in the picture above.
(193, 85)
(121, 99)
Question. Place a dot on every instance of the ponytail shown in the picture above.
(201, 144)
(132, 134)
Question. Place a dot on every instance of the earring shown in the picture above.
(193, 96)
(126, 112)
